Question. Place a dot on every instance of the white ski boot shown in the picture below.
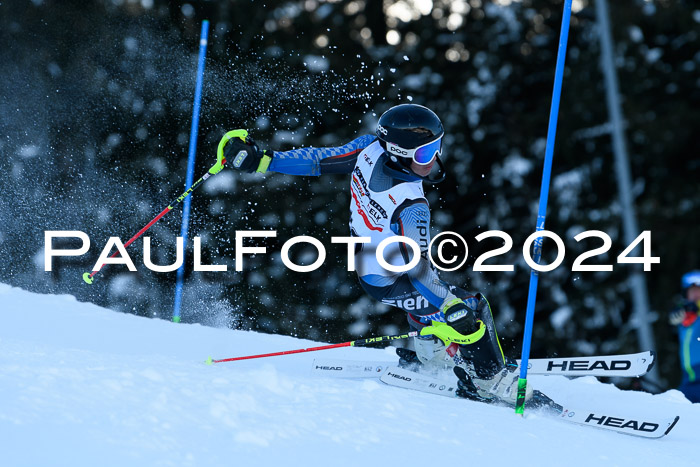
(501, 387)
(433, 355)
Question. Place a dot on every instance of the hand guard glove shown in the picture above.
(461, 327)
(460, 316)
(245, 155)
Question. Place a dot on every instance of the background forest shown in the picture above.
(95, 109)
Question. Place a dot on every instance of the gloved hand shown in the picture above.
(676, 317)
(686, 313)
(461, 317)
(246, 156)
(461, 327)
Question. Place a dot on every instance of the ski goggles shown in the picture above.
(690, 279)
(422, 155)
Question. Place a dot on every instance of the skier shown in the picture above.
(685, 317)
(388, 171)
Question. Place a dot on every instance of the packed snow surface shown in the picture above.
(81, 385)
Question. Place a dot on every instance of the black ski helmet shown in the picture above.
(409, 126)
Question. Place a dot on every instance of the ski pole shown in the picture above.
(356, 343)
(215, 169)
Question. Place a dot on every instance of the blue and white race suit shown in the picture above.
(381, 207)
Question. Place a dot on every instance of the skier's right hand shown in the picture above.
(246, 156)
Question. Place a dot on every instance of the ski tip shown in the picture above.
(670, 427)
(87, 278)
(209, 361)
(652, 354)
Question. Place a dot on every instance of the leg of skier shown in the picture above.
(431, 353)
(483, 371)
(489, 375)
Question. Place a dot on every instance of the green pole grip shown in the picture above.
(220, 159)
(520, 398)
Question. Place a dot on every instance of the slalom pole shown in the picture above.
(544, 194)
(355, 343)
(215, 169)
(194, 130)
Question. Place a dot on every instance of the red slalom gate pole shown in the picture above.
(356, 343)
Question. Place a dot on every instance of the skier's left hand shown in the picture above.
(684, 314)
(462, 325)
(246, 156)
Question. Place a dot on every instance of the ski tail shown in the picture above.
(350, 368)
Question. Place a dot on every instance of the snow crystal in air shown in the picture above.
(635, 33)
(28, 151)
(224, 182)
(560, 317)
(316, 63)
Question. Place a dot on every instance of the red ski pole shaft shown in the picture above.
(215, 169)
(356, 343)
(88, 277)
(138, 234)
(286, 352)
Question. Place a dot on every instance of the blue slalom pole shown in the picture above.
(544, 194)
(194, 130)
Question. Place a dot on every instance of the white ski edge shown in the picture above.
(629, 365)
(646, 427)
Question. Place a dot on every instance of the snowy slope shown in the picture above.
(84, 386)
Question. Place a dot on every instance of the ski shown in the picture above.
(629, 365)
(646, 427)
(637, 364)
(350, 368)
